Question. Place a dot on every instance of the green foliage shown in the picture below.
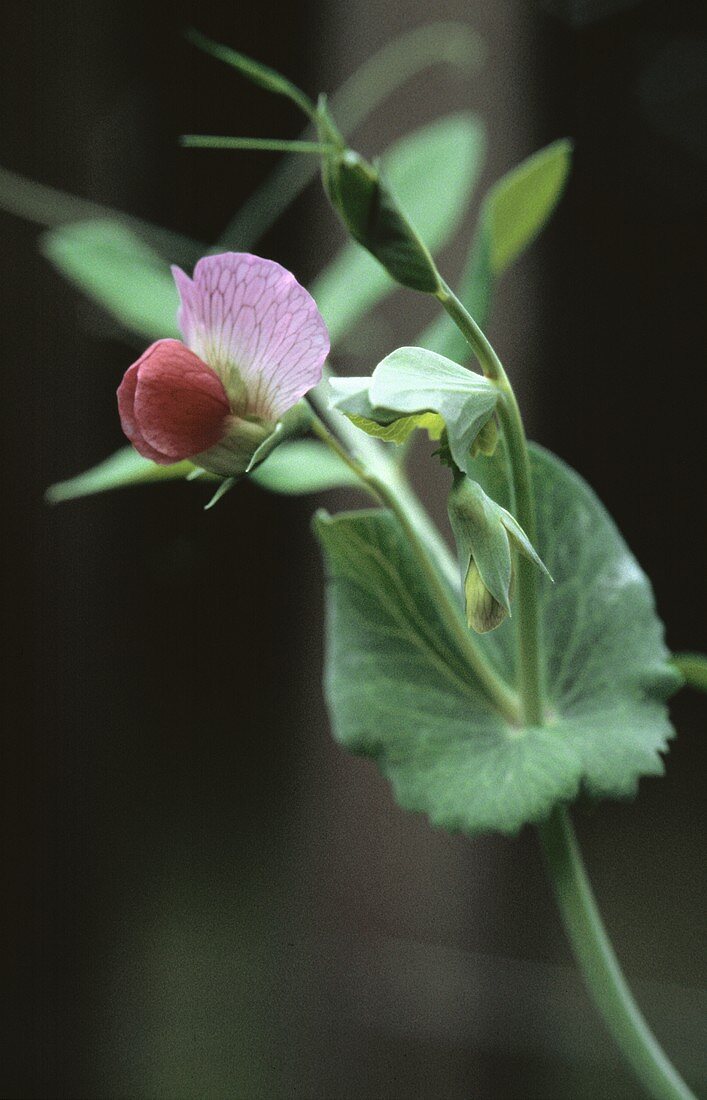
(519, 205)
(303, 466)
(296, 467)
(109, 263)
(411, 383)
(125, 467)
(399, 689)
(513, 213)
(255, 71)
(693, 669)
(442, 158)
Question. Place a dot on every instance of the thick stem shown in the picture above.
(599, 964)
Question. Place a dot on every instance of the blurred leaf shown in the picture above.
(300, 466)
(114, 267)
(432, 173)
(303, 466)
(400, 691)
(252, 70)
(47, 206)
(693, 668)
(519, 205)
(125, 467)
(453, 44)
(513, 213)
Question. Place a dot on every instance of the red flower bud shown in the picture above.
(172, 405)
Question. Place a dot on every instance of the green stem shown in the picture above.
(599, 964)
(590, 943)
(523, 507)
(493, 687)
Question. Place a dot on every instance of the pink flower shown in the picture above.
(254, 344)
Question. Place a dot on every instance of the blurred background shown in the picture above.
(203, 896)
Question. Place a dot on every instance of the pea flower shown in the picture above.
(254, 344)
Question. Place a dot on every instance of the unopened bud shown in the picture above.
(483, 611)
(370, 212)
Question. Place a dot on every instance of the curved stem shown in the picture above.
(527, 626)
(494, 688)
(597, 960)
(590, 943)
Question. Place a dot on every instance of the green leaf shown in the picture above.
(399, 691)
(443, 43)
(352, 398)
(303, 466)
(693, 669)
(412, 381)
(119, 271)
(443, 158)
(513, 213)
(519, 205)
(300, 466)
(252, 70)
(125, 467)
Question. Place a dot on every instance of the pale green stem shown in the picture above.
(526, 617)
(493, 687)
(590, 943)
(597, 960)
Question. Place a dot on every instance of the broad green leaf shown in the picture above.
(693, 669)
(125, 467)
(303, 466)
(299, 466)
(442, 159)
(119, 271)
(412, 381)
(399, 691)
(513, 213)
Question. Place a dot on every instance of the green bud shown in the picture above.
(485, 534)
(370, 212)
(483, 612)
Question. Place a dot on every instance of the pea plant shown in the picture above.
(494, 687)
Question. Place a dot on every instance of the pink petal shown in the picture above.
(172, 405)
(249, 318)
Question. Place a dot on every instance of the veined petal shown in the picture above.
(261, 331)
(172, 405)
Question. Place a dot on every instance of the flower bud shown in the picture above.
(370, 212)
(483, 611)
(484, 533)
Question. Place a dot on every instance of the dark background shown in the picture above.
(203, 895)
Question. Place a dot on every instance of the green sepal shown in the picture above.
(363, 200)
